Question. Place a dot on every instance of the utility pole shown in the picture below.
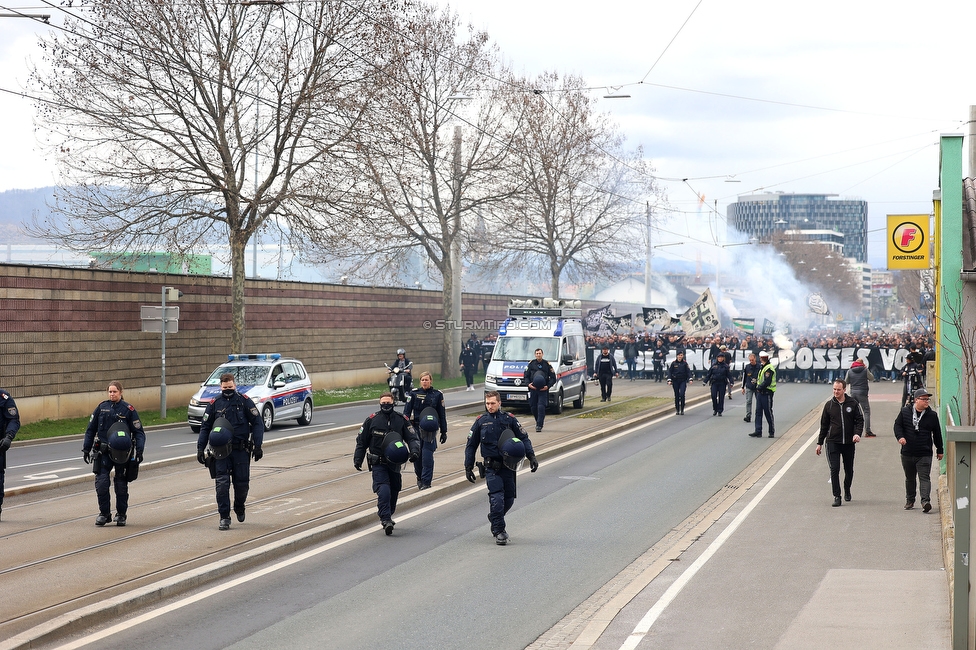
(647, 260)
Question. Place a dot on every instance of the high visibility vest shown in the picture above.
(772, 382)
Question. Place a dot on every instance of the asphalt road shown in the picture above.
(440, 581)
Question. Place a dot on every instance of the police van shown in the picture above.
(555, 327)
(279, 387)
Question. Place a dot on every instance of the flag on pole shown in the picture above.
(594, 318)
(657, 318)
(745, 324)
(701, 319)
(768, 327)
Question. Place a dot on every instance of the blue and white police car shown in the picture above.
(279, 386)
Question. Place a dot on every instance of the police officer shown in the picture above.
(605, 369)
(245, 443)
(679, 372)
(468, 361)
(718, 376)
(765, 389)
(114, 416)
(386, 441)
(423, 403)
(488, 432)
(539, 377)
(9, 424)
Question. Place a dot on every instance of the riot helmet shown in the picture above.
(119, 443)
(428, 420)
(221, 436)
(394, 448)
(539, 380)
(512, 449)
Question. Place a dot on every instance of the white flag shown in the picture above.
(701, 319)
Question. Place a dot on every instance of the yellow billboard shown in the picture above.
(908, 241)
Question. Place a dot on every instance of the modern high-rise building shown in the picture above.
(761, 215)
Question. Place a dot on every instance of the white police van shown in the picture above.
(279, 387)
(555, 327)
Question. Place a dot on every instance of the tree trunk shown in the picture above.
(238, 244)
(555, 270)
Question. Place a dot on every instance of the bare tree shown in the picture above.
(821, 267)
(178, 124)
(429, 157)
(581, 198)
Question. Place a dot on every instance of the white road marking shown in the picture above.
(644, 626)
(217, 589)
(44, 462)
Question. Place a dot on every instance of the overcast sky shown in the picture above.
(843, 98)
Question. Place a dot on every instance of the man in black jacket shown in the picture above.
(749, 374)
(539, 387)
(841, 425)
(916, 428)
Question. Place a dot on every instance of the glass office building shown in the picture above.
(761, 215)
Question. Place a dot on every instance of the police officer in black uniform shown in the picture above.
(468, 360)
(605, 369)
(113, 411)
(9, 424)
(421, 399)
(486, 432)
(382, 439)
(246, 443)
(679, 372)
(539, 390)
(719, 377)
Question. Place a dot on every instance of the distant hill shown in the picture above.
(17, 209)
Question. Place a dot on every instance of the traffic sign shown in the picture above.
(156, 325)
(156, 312)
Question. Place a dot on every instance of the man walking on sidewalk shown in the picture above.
(916, 428)
(841, 425)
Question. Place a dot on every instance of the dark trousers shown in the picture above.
(469, 370)
(631, 367)
(718, 396)
(679, 395)
(387, 483)
(538, 400)
(835, 453)
(606, 386)
(3, 466)
(501, 496)
(764, 406)
(235, 469)
(862, 399)
(658, 371)
(922, 467)
(424, 466)
(121, 488)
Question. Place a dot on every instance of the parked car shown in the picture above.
(280, 388)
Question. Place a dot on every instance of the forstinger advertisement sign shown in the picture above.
(908, 241)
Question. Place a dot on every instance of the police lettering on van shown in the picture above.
(555, 327)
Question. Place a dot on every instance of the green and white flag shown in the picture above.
(745, 324)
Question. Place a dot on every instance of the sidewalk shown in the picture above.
(770, 563)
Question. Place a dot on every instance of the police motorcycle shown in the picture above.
(396, 380)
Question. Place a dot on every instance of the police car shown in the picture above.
(280, 388)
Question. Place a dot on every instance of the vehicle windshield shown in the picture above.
(243, 375)
(522, 348)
